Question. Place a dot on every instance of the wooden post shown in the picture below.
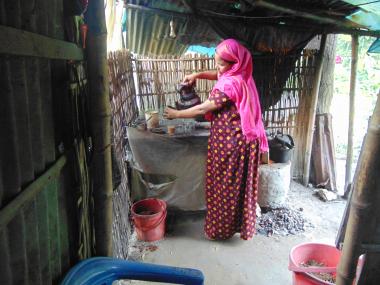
(100, 111)
(313, 111)
(365, 189)
(350, 143)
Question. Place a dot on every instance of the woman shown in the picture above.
(236, 139)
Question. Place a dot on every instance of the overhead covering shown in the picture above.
(375, 47)
(276, 29)
(367, 14)
(150, 32)
(275, 26)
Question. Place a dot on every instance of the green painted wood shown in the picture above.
(43, 230)
(23, 43)
(14, 207)
(17, 249)
(5, 268)
(64, 224)
(32, 244)
(54, 229)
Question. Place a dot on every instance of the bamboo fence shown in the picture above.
(124, 111)
(157, 79)
(285, 96)
(78, 104)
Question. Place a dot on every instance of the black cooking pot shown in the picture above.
(188, 97)
(281, 148)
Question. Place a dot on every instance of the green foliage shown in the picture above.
(368, 73)
(367, 88)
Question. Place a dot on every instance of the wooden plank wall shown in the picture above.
(39, 243)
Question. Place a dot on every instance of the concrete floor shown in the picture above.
(262, 260)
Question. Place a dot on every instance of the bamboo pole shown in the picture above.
(350, 138)
(100, 113)
(313, 110)
(365, 189)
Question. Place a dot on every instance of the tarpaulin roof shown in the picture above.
(375, 47)
(367, 14)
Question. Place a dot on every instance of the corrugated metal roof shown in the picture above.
(148, 28)
(148, 33)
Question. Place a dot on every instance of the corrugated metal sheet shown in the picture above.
(36, 245)
(149, 32)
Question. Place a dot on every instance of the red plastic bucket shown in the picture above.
(322, 253)
(149, 217)
(327, 254)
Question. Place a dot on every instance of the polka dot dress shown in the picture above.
(232, 176)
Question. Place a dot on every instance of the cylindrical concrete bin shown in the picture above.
(274, 184)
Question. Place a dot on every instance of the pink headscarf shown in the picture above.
(237, 83)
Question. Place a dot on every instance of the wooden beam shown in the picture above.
(303, 14)
(336, 26)
(190, 5)
(351, 114)
(357, 32)
(26, 195)
(313, 111)
(159, 11)
(22, 43)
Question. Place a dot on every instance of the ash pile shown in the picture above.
(281, 221)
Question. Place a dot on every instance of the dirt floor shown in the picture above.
(262, 260)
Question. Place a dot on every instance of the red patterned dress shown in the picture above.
(231, 175)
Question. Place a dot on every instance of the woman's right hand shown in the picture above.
(190, 78)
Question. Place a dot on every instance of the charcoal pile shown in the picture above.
(281, 221)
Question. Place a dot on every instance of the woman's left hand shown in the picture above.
(170, 113)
